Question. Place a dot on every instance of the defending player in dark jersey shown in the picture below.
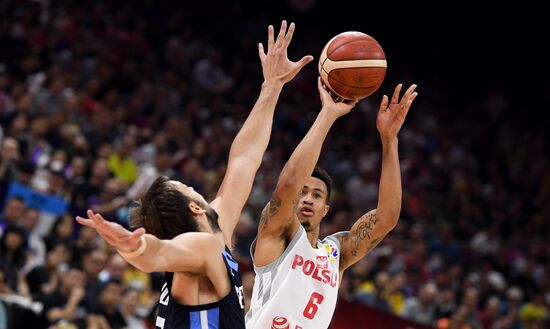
(189, 238)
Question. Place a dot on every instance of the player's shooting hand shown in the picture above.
(391, 116)
(276, 66)
(330, 105)
(113, 233)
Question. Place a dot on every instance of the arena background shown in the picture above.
(166, 84)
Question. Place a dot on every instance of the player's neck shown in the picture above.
(205, 227)
(313, 236)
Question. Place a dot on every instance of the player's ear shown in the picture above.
(195, 209)
(325, 211)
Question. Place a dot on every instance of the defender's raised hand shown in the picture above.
(113, 233)
(275, 64)
(391, 116)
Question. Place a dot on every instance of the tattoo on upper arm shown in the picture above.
(363, 231)
(270, 211)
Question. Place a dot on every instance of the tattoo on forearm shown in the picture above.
(364, 228)
(274, 205)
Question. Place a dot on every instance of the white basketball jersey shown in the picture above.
(299, 289)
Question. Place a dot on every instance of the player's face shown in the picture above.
(188, 191)
(312, 206)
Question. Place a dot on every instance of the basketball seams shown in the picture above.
(374, 42)
(342, 83)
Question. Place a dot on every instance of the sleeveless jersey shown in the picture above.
(299, 289)
(227, 313)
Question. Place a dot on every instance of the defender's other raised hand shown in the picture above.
(276, 66)
(391, 116)
(116, 235)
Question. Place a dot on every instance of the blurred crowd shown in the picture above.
(98, 98)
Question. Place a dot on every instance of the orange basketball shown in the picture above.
(352, 65)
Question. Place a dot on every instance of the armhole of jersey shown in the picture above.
(335, 240)
(230, 264)
(266, 268)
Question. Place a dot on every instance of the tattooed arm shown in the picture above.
(364, 235)
(279, 222)
(372, 227)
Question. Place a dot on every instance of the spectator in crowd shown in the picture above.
(13, 213)
(489, 314)
(374, 293)
(114, 269)
(45, 279)
(87, 240)
(9, 158)
(121, 163)
(129, 309)
(161, 165)
(36, 148)
(68, 303)
(61, 231)
(422, 309)
(535, 312)
(110, 199)
(93, 262)
(36, 244)
(446, 305)
(90, 188)
(107, 305)
(13, 256)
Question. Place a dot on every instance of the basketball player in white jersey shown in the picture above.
(298, 275)
(189, 238)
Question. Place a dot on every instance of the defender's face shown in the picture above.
(188, 191)
(312, 203)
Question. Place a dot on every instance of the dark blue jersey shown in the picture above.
(227, 313)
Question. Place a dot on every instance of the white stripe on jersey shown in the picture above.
(204, 319)
(160, 322)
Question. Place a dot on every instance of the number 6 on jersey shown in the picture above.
(313, 305)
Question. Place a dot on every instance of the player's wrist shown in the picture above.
(388, 140)
(136, 251)
(329, 113)
(273, 84)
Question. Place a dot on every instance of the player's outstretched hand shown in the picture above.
(391, 116)
(113, 233)
(276, 66)
(334, 108)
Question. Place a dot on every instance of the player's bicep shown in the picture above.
(365, 234)
(184, 253)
